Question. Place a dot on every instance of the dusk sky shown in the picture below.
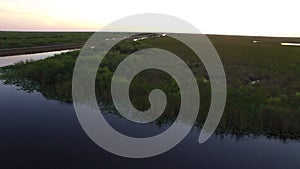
(255, 17)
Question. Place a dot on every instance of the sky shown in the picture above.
(233, 17)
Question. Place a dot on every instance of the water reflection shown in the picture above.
(290, 44)
(42, 133)
(237, 122)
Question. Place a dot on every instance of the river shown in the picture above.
(10, 60)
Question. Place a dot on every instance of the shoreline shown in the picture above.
(38, 49)
(14, 59)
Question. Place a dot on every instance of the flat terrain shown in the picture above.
(14, 43)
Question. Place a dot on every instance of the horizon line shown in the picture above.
(91, 31)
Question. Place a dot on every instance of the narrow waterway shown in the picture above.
(10, 60)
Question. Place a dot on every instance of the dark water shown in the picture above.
(39, 133)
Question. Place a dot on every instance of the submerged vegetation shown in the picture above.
(263, 82)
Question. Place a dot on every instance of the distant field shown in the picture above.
(14, 43)
(30, 39)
